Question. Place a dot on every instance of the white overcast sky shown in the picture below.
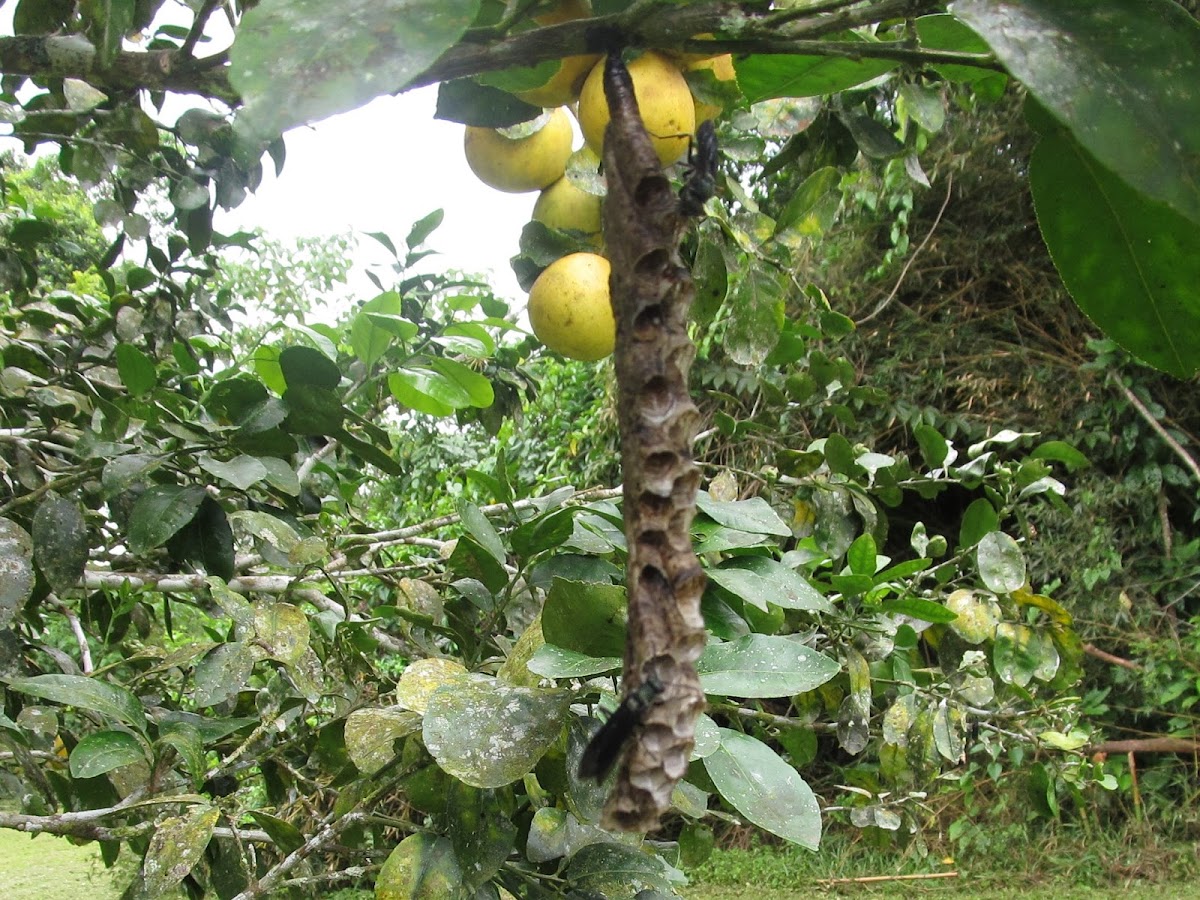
(377, 168)
(381, 168)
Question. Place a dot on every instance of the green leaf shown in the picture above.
(281, 632)
(979, 519)
(556, 833)
(1061, 451)
(861, 557)
(756, 316)
(1120, 76)
(471, 560)
(306, 366)
(759, 580)
(115, 22)
(481, 829)
(60, 541)
(489, 734)
(712, 280)
(614, 870)
(806, 211)
(103, 751)
(287, 837)
(281, 475)
(784, 75)
(136, 369)
(944, 32)
(242, 471)
(299, 62)
(754, 515)
(16, 561)
(550, 661)
(474, 387)
(371, 735)
(586, 617)
(189, 743)
(470, 103)
(206, 541)
(765, 789)
(543, 532)
(234, 398)
(467, 339)
(159, 513)
(109, 700)
(313, 410)
(42, 16)
(223, 673)
(376, 456)
(976, 615)
(760, 665)
(176, 846)
(266, 527)
(873, 138)
(924, 105)
(1131, 263)
(916, 608)
(934, 447)
(478, 526)
(423, 228)
(1017, 653)
(1001, 563)
(120, 473)
(421, 867)
(440, 388)
(266, 366)
(376, 324)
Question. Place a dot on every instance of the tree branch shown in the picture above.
(81, 824)
(71, 56)
(670, 27)
(265, 884)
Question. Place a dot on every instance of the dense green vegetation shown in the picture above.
(292, 607)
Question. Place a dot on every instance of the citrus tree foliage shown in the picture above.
(223, 652)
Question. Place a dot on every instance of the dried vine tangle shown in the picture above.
(651, 294)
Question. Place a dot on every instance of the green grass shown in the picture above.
(1062, 865)
(52, 868)
(1050, 866)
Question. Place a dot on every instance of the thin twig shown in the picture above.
(1137, 404)
(268, 882)
(1093, 650)
(875, 879)
(85, 652)
(197, 31)
(911, 259)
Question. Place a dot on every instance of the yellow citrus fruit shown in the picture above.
(663, 100)
(565, 206)
(564, 86)
(520, 164)
(570, 309)
(722, 68)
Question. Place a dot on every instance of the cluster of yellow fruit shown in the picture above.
(569, 305)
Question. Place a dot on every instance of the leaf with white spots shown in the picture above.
(371, 735)
(16, 569)
(765, 789)
(489, 734)
(177, 845)
(759, 665)
(423, 677)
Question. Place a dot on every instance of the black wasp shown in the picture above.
(605, 747)
(701, 180)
